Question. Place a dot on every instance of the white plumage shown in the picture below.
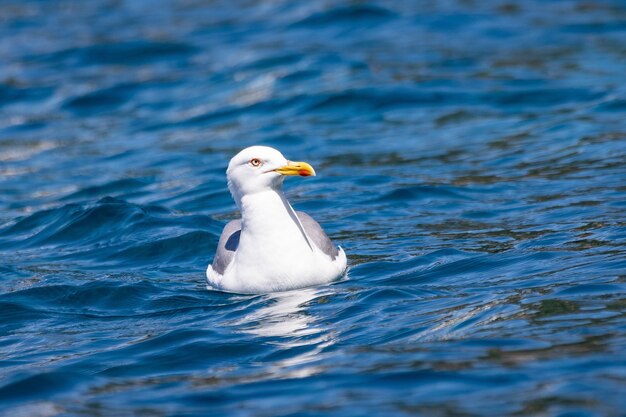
(272, 247)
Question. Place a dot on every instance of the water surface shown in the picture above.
(471, 160)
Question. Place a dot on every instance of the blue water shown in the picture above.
(471, 160)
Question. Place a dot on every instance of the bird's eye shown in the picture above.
(255, 162)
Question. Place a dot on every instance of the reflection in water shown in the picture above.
(285, 319)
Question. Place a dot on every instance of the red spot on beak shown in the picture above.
(304, 173)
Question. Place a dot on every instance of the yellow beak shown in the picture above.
(296, 168)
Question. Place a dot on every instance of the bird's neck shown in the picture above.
(267, 213)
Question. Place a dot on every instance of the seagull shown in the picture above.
(272, 247)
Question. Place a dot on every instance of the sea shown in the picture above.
(471, 162)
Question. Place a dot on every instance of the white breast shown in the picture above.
(274, 253)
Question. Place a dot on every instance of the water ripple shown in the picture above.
(470, 161)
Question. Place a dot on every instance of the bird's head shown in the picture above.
(260, 168)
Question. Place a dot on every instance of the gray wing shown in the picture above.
(317, 235)
(226, 247)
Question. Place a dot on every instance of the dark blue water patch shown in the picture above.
(14, 314)
(76, 224)
(26, 227)
(595, 289)
(612, 105)
(448, 380)
(96, 232)
(111, 98)
(357, 15)
(389, 295)
(544, 97)
(457, 63)
(191, 247)
(11, 94)
(102, 100)
(371, 100)
(268, 63)
(368, 100)
(501, 33)
(300, 76)
(129, 53)
(86, 298)
(28, 126)
(114, 188)
(172, 339)
(596, 27)
(451, 22)
(373, 269)
(461, 270)
(416, 193)
(9, 272)
(184, 357)
(34, 387)
(209, 301)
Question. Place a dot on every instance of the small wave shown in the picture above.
(116, 233)
(112, 98)
(130, 53)
(423, 192)
(368, 100)
(271, 62)
(10, 94)
(103, 295)
(596, 27)
(48, 384)
(347, 17)
(178, 250)
(117, 187)
(75, 224)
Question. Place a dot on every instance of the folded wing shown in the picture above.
(226, 247)
(315, 232)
